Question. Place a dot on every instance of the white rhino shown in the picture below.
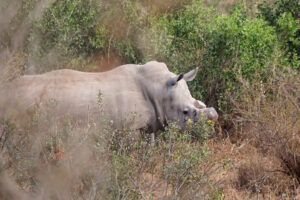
(149, 94)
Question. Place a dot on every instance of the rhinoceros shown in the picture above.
(149, 94)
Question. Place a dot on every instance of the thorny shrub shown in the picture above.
(269, 117)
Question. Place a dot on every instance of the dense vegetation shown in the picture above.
(248, 56)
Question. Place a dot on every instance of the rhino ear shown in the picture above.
(199, 104)
(172, 81)
(190, 75)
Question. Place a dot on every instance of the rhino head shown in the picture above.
(178, 103)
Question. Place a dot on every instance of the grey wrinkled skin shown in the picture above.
(148, 94)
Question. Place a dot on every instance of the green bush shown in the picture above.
(271, 11)
(284, 15)
(71, 26)
(67, 30)
(227, 48)
(238, 50)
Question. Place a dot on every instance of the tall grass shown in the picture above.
(59, 158)
(268, 118)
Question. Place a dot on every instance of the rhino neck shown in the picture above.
(160, 118)
(152, 78)
(151, 94)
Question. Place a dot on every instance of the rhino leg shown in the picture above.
(151, 139)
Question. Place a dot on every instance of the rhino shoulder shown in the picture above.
(153, 67)
(157, 64)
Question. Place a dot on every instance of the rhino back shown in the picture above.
(77, 94)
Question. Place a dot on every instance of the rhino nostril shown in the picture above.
(195, 113)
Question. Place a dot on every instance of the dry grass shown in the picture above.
(264, 144)
(11, 66)
(248, 174)
(54, 158)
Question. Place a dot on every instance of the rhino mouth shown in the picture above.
(204, 114)
(209, 114)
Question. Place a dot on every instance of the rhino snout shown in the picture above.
(213, 115)
(210, 113)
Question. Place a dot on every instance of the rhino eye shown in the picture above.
(185, 112)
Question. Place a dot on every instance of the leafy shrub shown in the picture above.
(237, 47)
(284, 15)
(66, 30)
(70, 26)
(226, 47)
(271, 11)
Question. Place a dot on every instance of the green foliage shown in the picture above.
(271, 11)
(238, 46)
(284, 15)
(228, 48)
(66, 33)
(71, 27)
